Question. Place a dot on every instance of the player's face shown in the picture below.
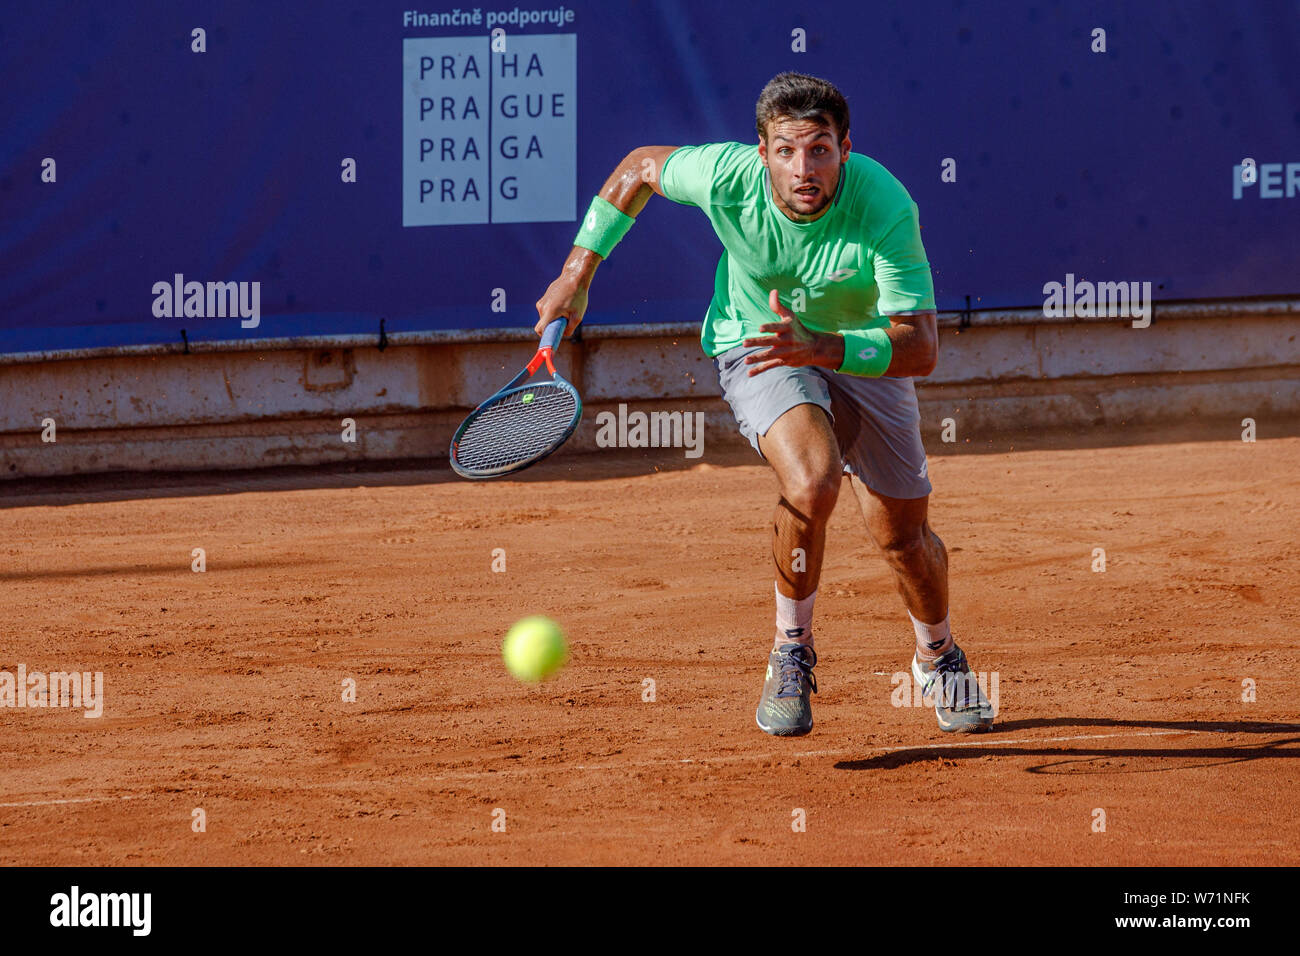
(805, 163)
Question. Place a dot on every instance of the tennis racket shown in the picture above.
(523, 422)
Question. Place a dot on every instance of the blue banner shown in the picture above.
(253, 169)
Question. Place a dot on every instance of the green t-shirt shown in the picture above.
(857, 263)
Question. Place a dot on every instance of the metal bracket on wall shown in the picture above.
(327, 370)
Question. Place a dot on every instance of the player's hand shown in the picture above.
(789, 343)
(563, 297)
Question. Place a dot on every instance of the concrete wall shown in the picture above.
(227, 406)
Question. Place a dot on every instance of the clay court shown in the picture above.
(1119, 690)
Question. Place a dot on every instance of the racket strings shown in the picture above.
(518, 427)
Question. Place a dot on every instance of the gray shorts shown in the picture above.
(876, 420)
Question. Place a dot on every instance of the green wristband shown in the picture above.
(603, 226)
(867, 352)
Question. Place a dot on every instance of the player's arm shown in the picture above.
(913, 341)
(627, 189)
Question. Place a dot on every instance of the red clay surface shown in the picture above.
(1119, 691)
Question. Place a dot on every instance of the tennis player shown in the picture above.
(822, 313)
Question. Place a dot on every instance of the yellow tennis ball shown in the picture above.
(534, 648)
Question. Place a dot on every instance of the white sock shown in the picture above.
(932, 640)
(794, 619)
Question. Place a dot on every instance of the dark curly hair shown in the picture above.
(801, 97)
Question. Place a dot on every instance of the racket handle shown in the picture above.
(552, 334)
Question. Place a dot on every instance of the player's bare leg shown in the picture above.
(901, 529)
(803, 452)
